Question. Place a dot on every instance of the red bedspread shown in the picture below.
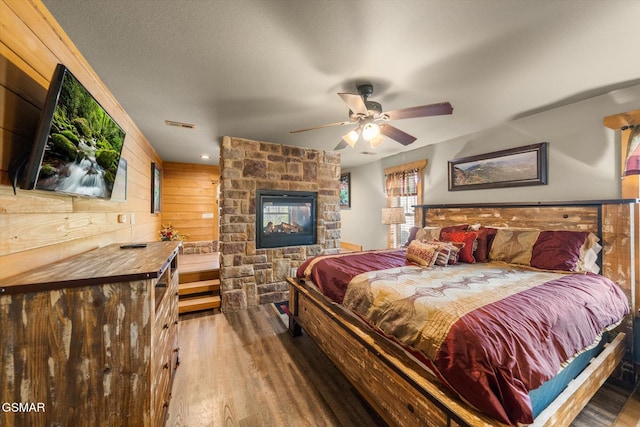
(332, 273)
(491, 332)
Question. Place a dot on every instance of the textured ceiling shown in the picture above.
(260, 68)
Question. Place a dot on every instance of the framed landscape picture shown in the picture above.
(345, 190)
(514, 167)
(156, 184)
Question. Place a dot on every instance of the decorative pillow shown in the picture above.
(513, 246)
(466, 237)
(412, 235)
(426, 234)
(444, 252)
(453, 229)
(559, 250)
(423, 254)
(589, 255)
(454, 254)
(485, 239)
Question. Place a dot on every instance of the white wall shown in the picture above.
(583, 163)
(361, 224)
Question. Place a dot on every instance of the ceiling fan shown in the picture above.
(365, 114)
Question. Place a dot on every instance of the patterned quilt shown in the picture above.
(491, 332)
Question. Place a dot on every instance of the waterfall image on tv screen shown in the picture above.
(83, 145)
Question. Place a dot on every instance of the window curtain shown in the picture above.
(402, 184)
(632, 163)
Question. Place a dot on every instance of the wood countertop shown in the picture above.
(109, 264)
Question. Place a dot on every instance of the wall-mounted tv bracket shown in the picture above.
(15, 171)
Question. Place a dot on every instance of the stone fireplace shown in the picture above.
(285, 218)
(250, 275)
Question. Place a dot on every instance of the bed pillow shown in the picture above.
(466, 237)
(443, 252)
(513, 246)
(588, 261)
(454, 254)
(485, 240)
(412, 235)
(559, 250)
(423, 254)
(426, 234)
(453, 229)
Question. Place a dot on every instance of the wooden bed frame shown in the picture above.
(401, 390)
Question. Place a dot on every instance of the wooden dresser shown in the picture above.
(91, 340)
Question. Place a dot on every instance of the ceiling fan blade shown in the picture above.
(322, 126)
(355, 103)
(396, 134)
(342, 144)
(439, 109)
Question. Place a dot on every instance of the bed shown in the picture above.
(394, 329)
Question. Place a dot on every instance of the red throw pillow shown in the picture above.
(558, 250)
(469, 240)
(485, 239)
(453, 229)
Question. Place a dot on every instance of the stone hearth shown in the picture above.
(251, 276)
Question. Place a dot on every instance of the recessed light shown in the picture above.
(205, 157)
(368, 153)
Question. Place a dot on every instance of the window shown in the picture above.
(403, 187)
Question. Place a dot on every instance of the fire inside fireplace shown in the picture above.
(285, 218)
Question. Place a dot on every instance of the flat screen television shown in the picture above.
(77, 145)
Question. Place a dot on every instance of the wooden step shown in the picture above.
(187, 305)
(198, 267)
(202, 286)
(197, 276)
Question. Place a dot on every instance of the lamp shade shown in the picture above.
(393, 216)
(632, 162)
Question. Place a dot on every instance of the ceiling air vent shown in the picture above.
(179, 124)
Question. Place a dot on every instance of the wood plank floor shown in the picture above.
(244, 369)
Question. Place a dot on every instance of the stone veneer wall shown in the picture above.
(250, 276)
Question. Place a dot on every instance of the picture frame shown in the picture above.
(345, 190)
(156, 188)
(514, 167)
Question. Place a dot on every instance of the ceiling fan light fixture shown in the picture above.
(352, 137)
(376, 141)
(370, 131)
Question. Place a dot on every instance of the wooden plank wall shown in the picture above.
(189, 195)
(38, 227)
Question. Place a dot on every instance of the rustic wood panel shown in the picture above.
(103, 265)
(31, 44)
(188, 191)
(583, 218)
(59, 360)
(119, 376)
